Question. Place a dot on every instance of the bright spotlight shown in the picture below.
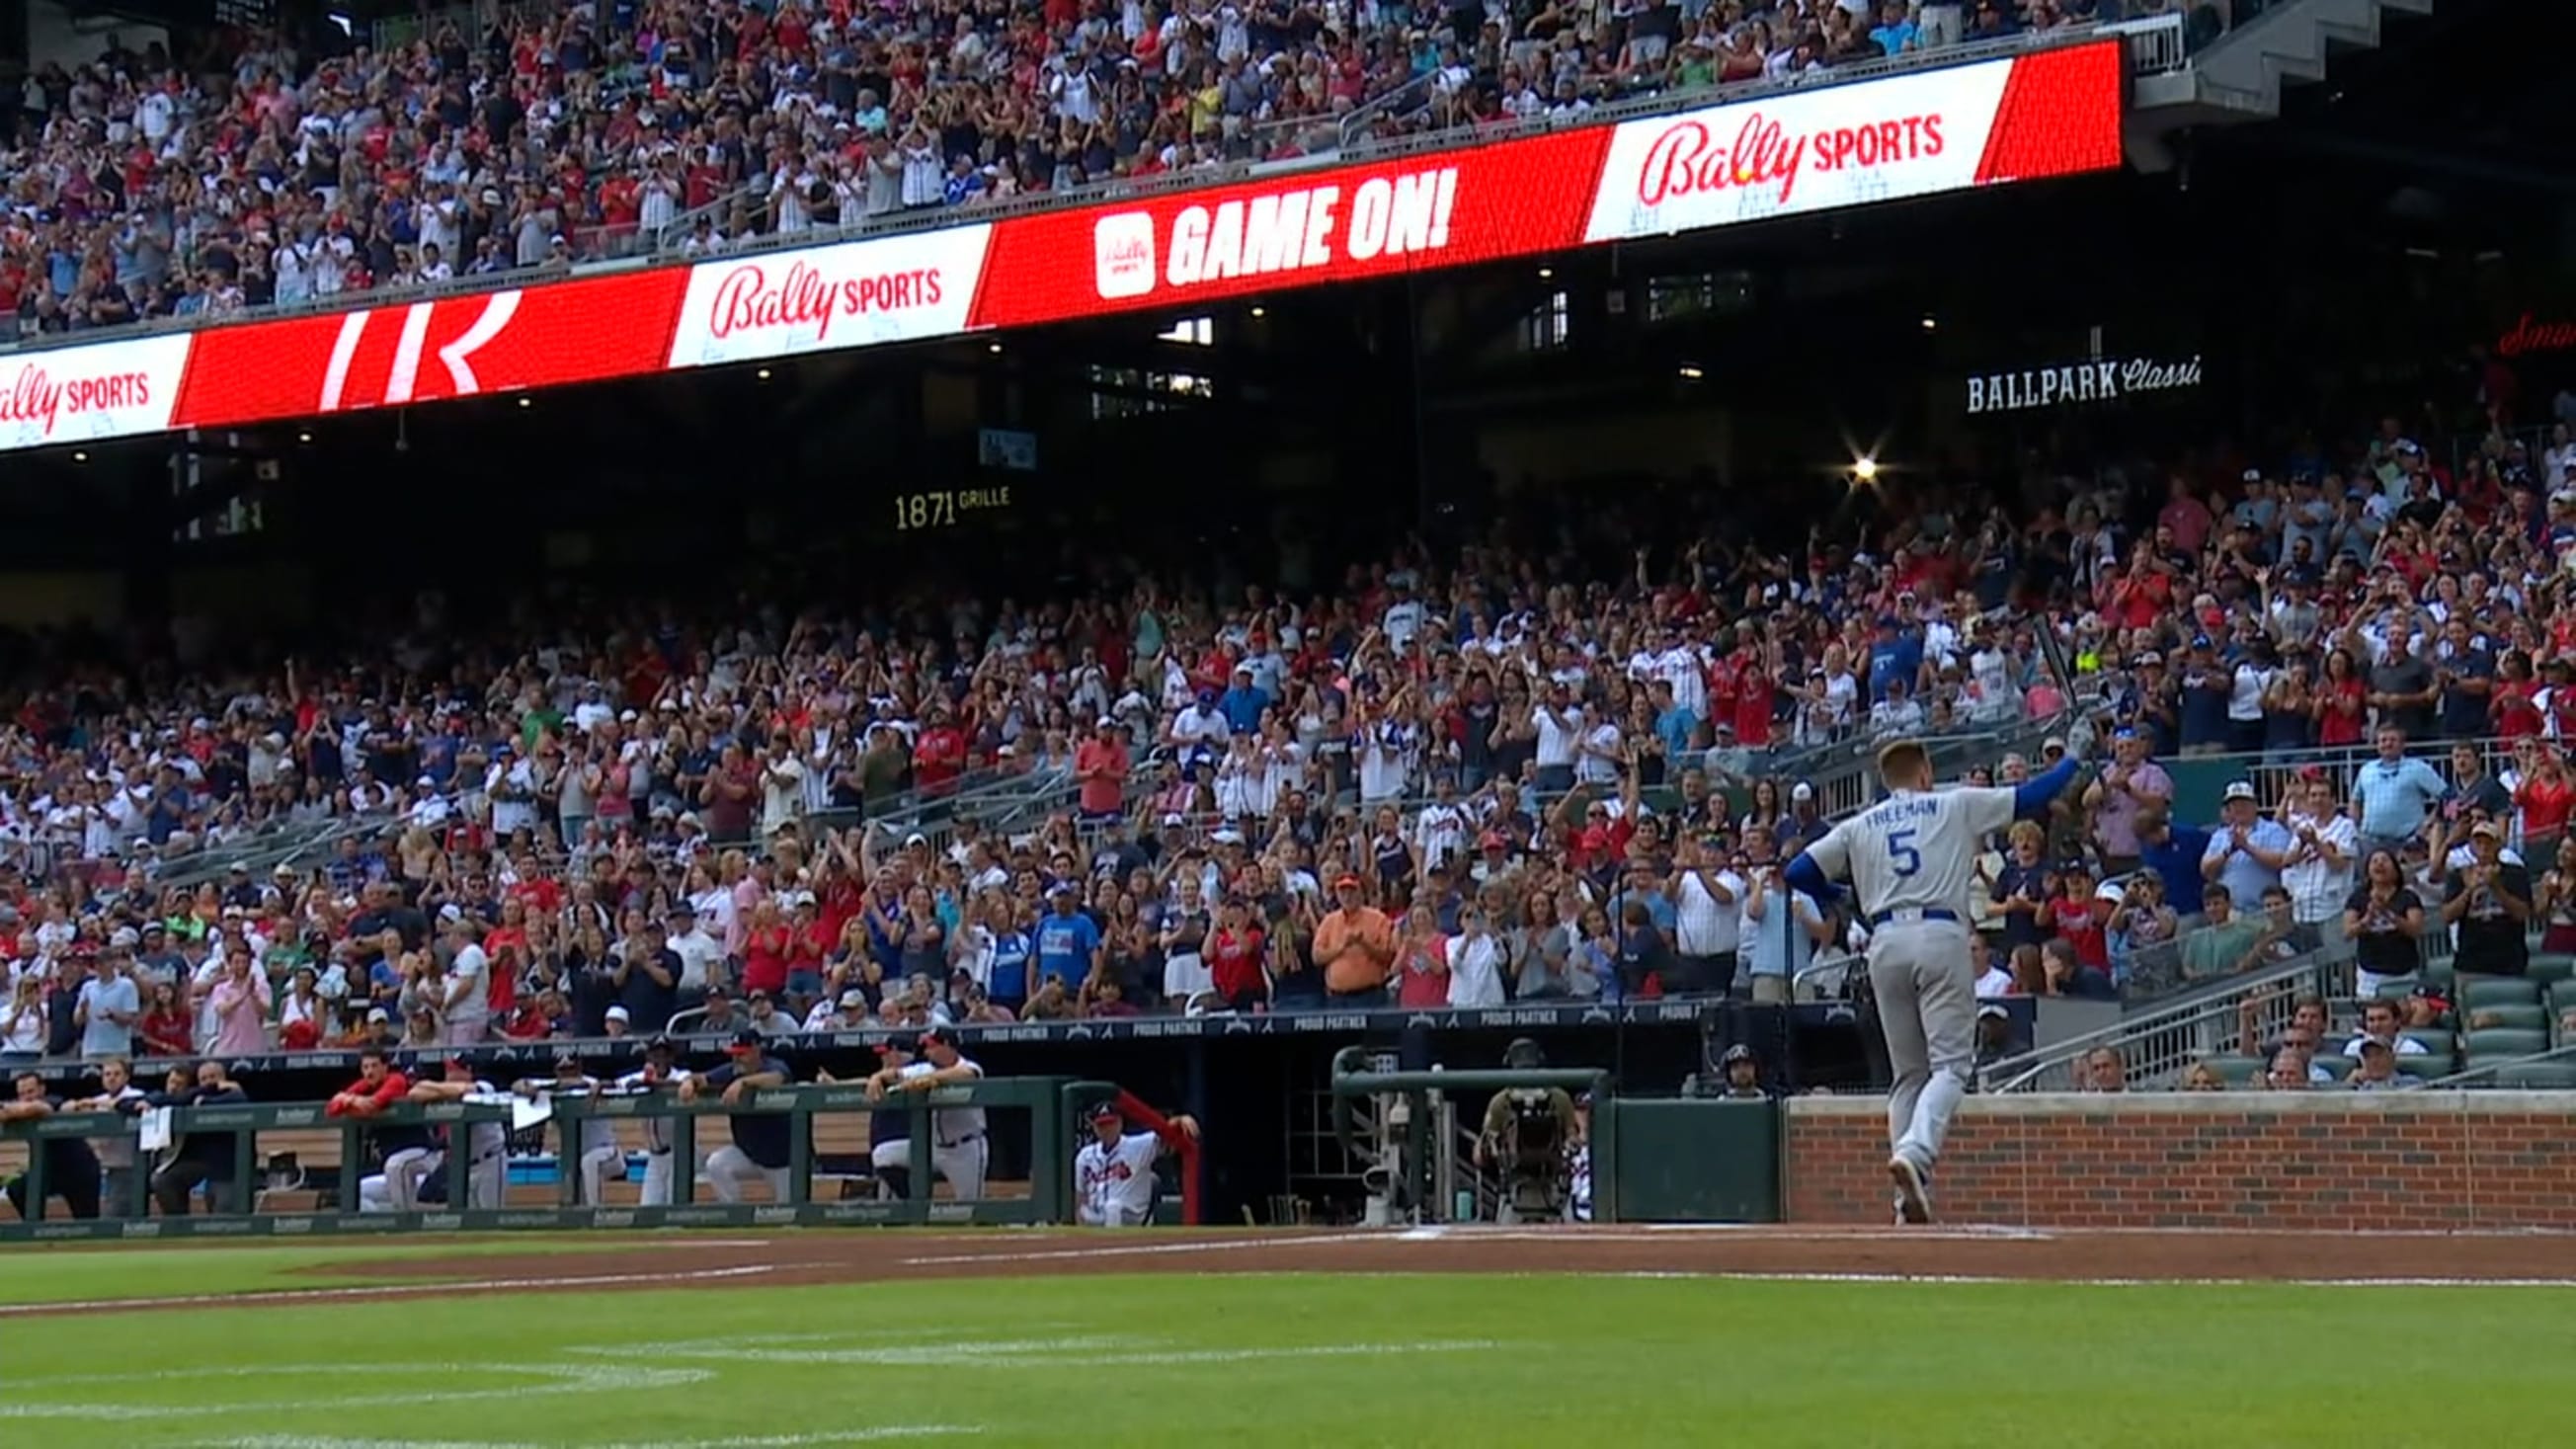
(1865, 469)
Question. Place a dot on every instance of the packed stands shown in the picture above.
(251, 172)
(1440, 783)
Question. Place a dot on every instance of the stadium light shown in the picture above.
(763, 374)
(1691, 371)
(1865, 468)
(995, 349)
(304, 436)
(80, 457)
(1931, 323)
(1260, 311)
(1547, 274)
(527, 402)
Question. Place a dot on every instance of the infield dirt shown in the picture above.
(1939, 1253)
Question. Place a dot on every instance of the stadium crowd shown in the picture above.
(250, 171)
(1493, 775)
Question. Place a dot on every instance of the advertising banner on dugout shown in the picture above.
(2053, 112)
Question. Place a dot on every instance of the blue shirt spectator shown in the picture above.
(2246, 852)
(1066, 941)
(2393, 794)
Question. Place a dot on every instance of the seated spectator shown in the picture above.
(2066, 975)
(2379, 1018)
(2202, 1077)
(2105, 1070)
(2224, 943)
(2290, 1071)
(2378, 1069)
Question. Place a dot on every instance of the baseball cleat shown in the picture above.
(1913, 1199)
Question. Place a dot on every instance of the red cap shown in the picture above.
(1346, 879)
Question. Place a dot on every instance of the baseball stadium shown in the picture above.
(1310, 722)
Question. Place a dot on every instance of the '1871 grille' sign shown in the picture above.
(2102, 380)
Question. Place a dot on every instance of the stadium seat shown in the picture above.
(2436, 973)
(2477, 991)
(2554, 1074)
(2341, 1066)
(2521, 1017)
(2437, 1048)
(2236, 1071)
(2506, 1041)
(2552, 968)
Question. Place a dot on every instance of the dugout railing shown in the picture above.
(1052, 1108)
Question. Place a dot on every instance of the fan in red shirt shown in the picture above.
(1233, 957)
(939, 755)
(1100, 763)
(765, 950)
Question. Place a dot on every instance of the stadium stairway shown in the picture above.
(2236, 76)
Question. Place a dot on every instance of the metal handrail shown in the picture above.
(2564, 1052)
(2183, 1015)
(1412, 144)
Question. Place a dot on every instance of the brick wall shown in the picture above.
(2278, 1160)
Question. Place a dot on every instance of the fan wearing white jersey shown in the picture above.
(959, 1150)
(1911, 859)
(1113, 1174)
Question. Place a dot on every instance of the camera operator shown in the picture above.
(1526, 1132)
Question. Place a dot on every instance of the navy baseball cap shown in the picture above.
(939, 1035)
(746, 1037)
(1104, 1112)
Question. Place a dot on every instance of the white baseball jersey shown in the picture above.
(952, 1125)
(1915, 850)
(1116, 1183)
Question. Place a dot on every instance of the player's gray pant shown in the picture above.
(658, 1174)
(727, 1168)
(1927, 1009)
(961, 1162)
(594, 1168)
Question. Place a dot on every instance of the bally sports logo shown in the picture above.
(854, 294)
(1689, 158)
(1816, 150)
(803, 297)
(84, 394)
(1301, 229)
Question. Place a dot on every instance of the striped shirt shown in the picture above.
(2317, 887)
(1703, 925)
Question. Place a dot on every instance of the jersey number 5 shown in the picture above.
(1901, 854)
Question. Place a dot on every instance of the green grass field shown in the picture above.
(1410, 1361)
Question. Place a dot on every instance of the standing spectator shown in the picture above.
(109, 1007)
(2393, 796)
(2384, 919)
(2489, 904)
(645, 974)
(1356, 944)
(2318, 873)
(2248, 851)
(1708, 909)
(1782, 929)
(2133, 785)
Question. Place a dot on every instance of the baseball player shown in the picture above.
(656, 1075)
(889, 1133)
(487, 1144)
(760, 1147)
(589, 1143)
(1113, 1174)
(1911, 859)
(958, 1149)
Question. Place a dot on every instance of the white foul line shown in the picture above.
(552, 1379)
(2025, 1280)
(765, 1442)
(384, 1290)
(1147, 1250)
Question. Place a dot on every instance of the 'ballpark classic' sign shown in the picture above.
(2103, 379)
